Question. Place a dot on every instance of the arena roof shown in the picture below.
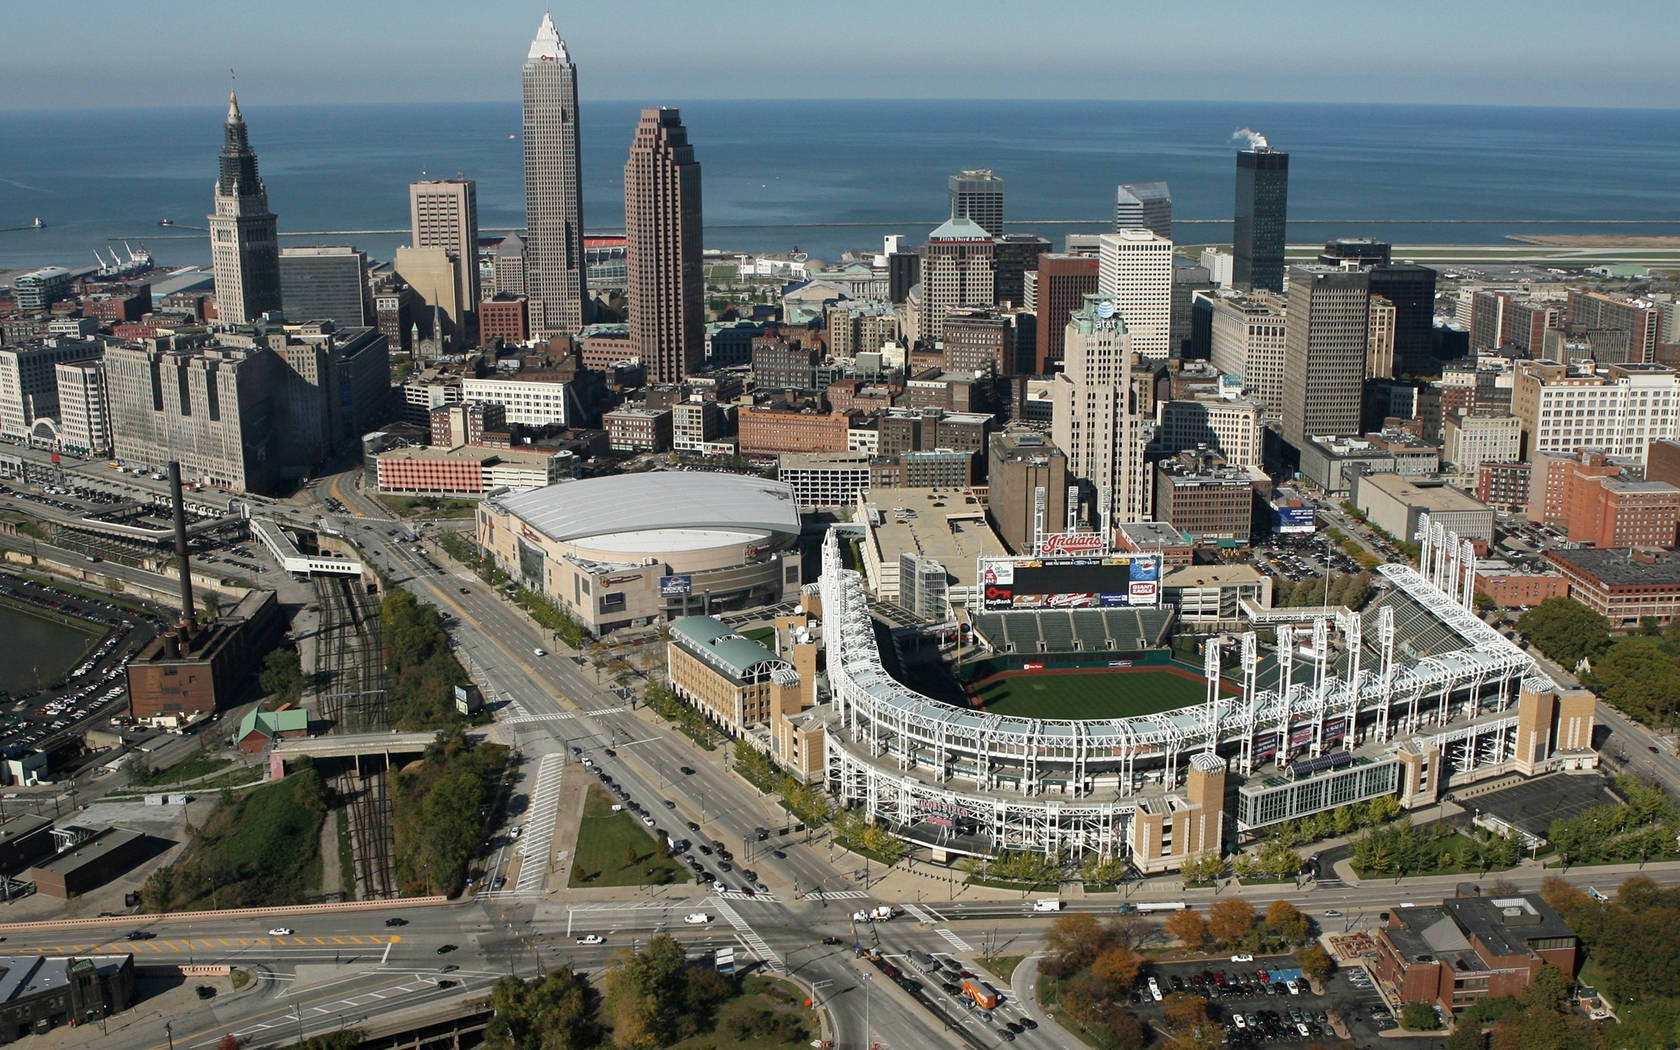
(656, 505)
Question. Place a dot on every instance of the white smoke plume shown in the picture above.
(1250, 139)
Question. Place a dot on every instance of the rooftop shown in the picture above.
(658, 501)
(88, 851)
(741, 658)
(1211, 575)
(1508, 925)
(934, 523)
(273, 723)
(960, 228)
(1620, 566)
(1434, 496)
(1147, 535)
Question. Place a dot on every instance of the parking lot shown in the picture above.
(1260, 1007)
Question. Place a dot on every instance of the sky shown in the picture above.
(107, 53)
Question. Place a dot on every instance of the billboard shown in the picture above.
(1071, 583)
(676, 586)
(1294, 520)
(1070, 543)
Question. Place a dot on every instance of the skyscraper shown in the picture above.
(443, 213)
(1261, 213)
(662, 250)
(244, 248)
(1144, 206)
(1135, 272)
(959, 268)
(1096, 420)
(1326, 351)
(326, 283)
(1063, 282)
(556, 273)
(1411, 288)
(977, 194)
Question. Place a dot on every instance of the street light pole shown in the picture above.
(867, 1038)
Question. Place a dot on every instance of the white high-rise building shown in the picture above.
(84, 414)
(1095, 419)
(1621, 409)
(1134, 272)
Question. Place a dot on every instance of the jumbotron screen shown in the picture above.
(1111, 580)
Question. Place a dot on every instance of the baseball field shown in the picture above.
(1083, 693)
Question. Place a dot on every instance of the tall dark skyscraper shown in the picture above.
(244, 247)
(556, 275)
(1261, 214)
(1411, 288)
(977, 193)
(662, 248)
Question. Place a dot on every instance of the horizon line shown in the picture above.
(515, 100)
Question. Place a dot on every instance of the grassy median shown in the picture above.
(616, 849)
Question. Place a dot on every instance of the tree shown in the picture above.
(1419, 1017)
(554, 1013)
(1287, 921)
(1484, 602)
(1127, 1029)
(1117, 968)
(1565, 630)
(1640, 676)
(1188, 1021)
(1187, 927)
(1075, 936)
(1314, 961)
(1205, 867)
(1230, 920)
(282, 676)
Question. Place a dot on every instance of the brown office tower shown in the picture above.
(555, 271)
(662, 251)
(1063, 281)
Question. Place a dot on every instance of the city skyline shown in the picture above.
(369, 57)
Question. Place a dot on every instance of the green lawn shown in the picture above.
(765, 636)
(1086, 694)
(615, 849)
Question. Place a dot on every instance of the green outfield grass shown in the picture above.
(1090, 694)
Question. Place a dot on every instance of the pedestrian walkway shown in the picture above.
(537, 841)
(752, 940)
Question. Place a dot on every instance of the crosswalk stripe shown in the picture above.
(956, 942)
(538, 837)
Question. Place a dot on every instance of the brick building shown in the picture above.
(477, 423)
(504, 319)
(1511, 587)
(1624, 586)
(1063, 281)
(1553, 477)
(1613, 512)
(978, 340)
(766, 429)
(636, 428)
(1504, 485)
(1204, 501)
(1466, 949)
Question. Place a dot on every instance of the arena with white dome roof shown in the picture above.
(635, 548)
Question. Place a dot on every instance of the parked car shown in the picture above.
(280, 931)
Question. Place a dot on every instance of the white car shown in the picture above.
(1242, 957)
(648, 821)
(1294, 988)
(280, 931)
(591, 938)
(697, 918)
(539, 652)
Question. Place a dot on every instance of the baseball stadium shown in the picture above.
(1067, 725)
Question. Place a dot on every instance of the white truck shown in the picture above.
(880, 913)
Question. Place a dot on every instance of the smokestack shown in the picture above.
(188, 620)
